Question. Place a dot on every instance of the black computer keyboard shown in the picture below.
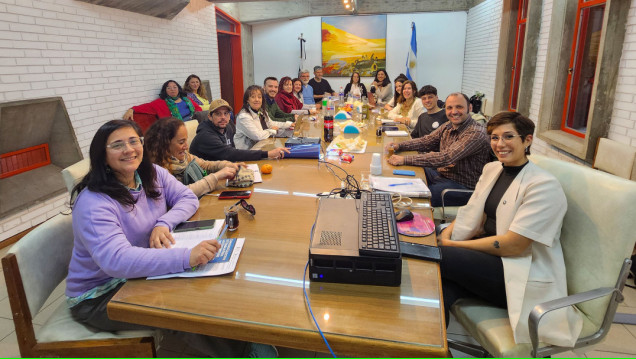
(377, 228)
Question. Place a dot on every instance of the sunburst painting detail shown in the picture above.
(353, 43)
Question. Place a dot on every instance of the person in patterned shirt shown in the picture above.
(453, 155)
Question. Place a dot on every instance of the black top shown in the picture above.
(492, 202)
(320, 87)
(428, 123)
(363, 90)
(212, 145)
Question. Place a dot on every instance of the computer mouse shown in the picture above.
(403, 215)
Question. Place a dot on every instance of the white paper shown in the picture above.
(190, 239)
(257, 172)
(410, 187)
(396, 133)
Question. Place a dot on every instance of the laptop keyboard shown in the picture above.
(377, 227)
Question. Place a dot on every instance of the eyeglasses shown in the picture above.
(119, 146)
(508, 137)
(246, 206)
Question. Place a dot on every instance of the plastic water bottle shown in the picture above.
(341, 95)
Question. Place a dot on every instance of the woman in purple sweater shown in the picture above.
(121, 221)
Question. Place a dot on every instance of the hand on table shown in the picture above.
(204, 252)
(396, 160)
(390, 145)
(161, 237)
(278, 152)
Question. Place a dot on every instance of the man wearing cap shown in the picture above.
(214, 140)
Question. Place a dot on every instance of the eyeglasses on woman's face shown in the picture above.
(119, 146)
(507, 137)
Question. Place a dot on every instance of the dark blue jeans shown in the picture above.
(437, 183)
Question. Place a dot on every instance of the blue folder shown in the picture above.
(304, 151)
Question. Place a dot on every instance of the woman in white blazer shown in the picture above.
(504, 245)
(253, 123)
(408, 107)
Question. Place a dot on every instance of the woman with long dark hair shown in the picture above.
(166, 144)
(355, 88)
(172, 102)
(399, 81)
(120, 212)
(381, 87)
(408, 107)
(123, 212)
(288, 101)
(253, 123)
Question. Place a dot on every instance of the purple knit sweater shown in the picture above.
(111, 241)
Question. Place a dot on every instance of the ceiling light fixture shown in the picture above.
(349, 5)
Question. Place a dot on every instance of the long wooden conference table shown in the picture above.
(263, 301)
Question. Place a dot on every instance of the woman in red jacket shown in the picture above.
(286, 100)
(172, 102)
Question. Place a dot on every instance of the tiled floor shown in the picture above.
(620, 342)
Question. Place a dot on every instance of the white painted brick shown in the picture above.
(11, 224)
(15, 230)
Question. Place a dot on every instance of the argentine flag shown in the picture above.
(411, 59)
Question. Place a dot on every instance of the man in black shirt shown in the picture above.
(434, 117)
(215, 138)
(320, 85)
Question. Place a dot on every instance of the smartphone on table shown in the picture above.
(194, 225)
(235, 194)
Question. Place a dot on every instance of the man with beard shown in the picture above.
(270, 85)
(214, 140)
(308, 91)
(454, 154)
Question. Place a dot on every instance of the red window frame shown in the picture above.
(237, 56)
(576, 58)
(520, 35)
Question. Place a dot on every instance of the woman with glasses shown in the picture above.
(253, 123)
(123, 212)
(504, 246)
(166, 144)
(408, 107)
(172, 102)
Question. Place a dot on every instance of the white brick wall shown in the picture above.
(101, 61)
(482, 45)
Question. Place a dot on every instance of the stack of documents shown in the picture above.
(223, 263)
(410, 187)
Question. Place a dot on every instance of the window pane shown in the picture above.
(585, 59)
(223, 25)
(516, 67)
(523, 8)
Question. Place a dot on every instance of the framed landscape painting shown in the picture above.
(353, 43)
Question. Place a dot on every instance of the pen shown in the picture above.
(222, 232)
(399, 184)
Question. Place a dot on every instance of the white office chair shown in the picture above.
(74, 173)
(33, 268)
(597, 238)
